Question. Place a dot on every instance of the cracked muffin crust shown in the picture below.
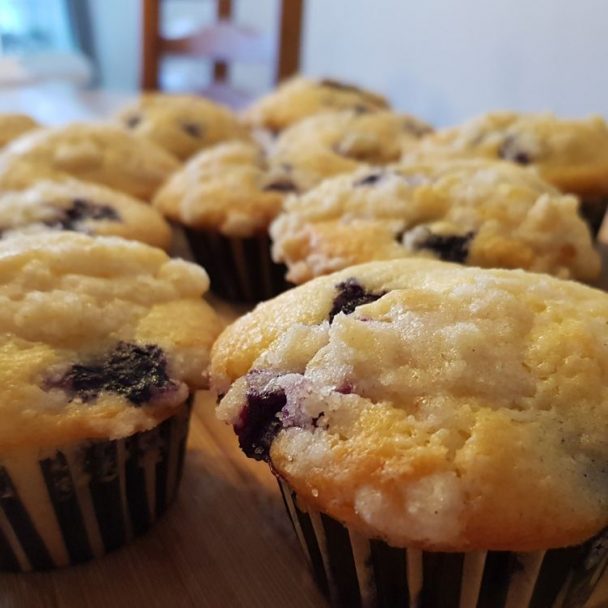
(99, 338)
(13, 126)
(475, 212)
(101, 153)
(230, 188)
(300, 97)
(181, 124)
(428, 404)
(340, 142)
(81, 207)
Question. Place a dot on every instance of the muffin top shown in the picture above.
(93, 152)
(299, 97)
(81, 207)
(182, 124)
(99, 337)
(229, 188)
(571, 154)
(429, 404)
(475, 212)
(338, 142)
(14, 125)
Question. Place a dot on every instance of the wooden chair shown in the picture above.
(223, 43)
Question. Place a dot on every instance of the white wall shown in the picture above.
(115, 27)
(449, 59)
(442, 59)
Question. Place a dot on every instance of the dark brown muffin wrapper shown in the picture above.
(78, 501)
(355, 571)
(240, 269)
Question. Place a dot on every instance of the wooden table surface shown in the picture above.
(226, 542)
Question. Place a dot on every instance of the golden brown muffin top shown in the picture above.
(476, 212)
(181, 124)
(572, 154)
(80, 206)
(99, 337)
(428, 404)
(300, 97)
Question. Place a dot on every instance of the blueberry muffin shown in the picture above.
(340, 142)
(81, 207)
(182, 124)
(14, 125)
(94, 152)
(299, 97)
(570, 154)
(225, 198)
(102, 342)
(439, 431)
(475, 212)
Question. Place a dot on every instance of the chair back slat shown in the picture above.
(225, 42)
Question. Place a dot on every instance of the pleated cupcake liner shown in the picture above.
(355, 571)
(240, 269)
(69, 504)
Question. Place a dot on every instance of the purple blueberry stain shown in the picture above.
(351, 294)
(258, 422)
(280, 185)
(79, 211)
(330, 83)
(450, 248)
(369, 180)
(512, 150)
(192, 129)
(133, 121)
(136, 372)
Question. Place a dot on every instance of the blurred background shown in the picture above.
(440, 59)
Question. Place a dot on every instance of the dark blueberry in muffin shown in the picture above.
(513, 151)
(82, 210)
(258, 424)
(415, 128)
(450, 248)
(339, 86)
(192, 129)
(281, 185)
(137, 372)
(351, 294)
(133, 121)
(369, 180)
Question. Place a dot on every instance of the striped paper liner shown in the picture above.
(354, 571)
(240, 269)
(78, 501)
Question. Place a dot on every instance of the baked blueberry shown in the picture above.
(281, 185)
(450, 248)
(369, 180)
(258, 423)
(192, 129)
(512, 150)
(351, 294)
(137, 372)
(83, 210)
(133, 121)
(339, 86)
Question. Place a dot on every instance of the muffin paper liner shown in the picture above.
(240, 269)
(355, 571)
(65, 505)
